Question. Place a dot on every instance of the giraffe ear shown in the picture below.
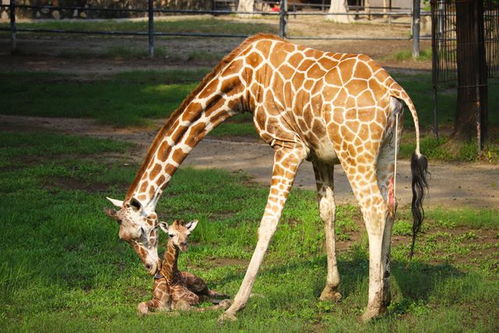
(117, 203)
(163, 226)
(191, 225)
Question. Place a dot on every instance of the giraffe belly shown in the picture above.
(323, 151)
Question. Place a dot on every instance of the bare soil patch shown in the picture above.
(451, 184)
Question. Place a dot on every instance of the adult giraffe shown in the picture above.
(326, 107)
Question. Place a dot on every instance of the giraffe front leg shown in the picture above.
(149, 307)
(327, 208)
(286, 163)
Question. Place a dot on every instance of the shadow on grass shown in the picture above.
(412, 283)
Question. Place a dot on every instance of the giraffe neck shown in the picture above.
(169, 268)
(215, 99)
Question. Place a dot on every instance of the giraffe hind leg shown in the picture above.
(327, 208)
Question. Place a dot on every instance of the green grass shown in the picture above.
(63, 267)
(424, 55)
(203, 25)
(134, 98)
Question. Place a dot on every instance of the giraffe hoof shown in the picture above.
(372, 313)
(225, 304)
(330, 295)
(142, 309)
(227, 316)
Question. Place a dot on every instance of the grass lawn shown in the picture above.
(63, 267)
(199, 25)
(134, 98)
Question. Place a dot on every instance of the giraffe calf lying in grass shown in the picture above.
(176, 290)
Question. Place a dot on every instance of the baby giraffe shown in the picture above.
(176, 290)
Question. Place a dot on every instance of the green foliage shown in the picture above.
(424, 55)
(63, 267)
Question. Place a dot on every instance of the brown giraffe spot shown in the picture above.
(209, 89)
(362, 70)
(264, 48)
(277, 58)
(170, 169)
(195, 130)
(305, 65)
(143, 187)
(381, 117)
(367, 115)
(307, 115)
(298, 79)
(355, 87)
(342, 96)
(152, 190)
(288, 93)
(346, 134)
(247, 75)
(295, 59)
(353, 125)
(178, 156)
(155, 171)
(346, 69)
(308, 84)
(214, 104)
(318, 129)
(161, 180)
(254, 59)
(366, 98)
(286, 71)
(328, 63)
(315, 72)
(262, 75)
(233, 68)
(164, 151)
(376, 130)
(329, 93)
(350, 102)
(338, 117)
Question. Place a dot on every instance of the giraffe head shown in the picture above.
(178, 232)
(138, 228)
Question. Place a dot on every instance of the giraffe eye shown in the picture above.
(171, 235)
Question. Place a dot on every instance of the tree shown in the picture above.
(245, 5)
(471, 113)
(339, 6)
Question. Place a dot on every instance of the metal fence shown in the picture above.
(444, 41)
(283, 15)
(481, 52)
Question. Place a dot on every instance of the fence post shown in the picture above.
(150, 5)
(283, 19)
(13, 29)
(416, 22)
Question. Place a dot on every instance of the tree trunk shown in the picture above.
(339, 6)
(245, 5)
(471, 112)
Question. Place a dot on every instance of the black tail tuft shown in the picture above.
(419, 169)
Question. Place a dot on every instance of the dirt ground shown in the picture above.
(451, 184)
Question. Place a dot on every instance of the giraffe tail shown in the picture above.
(419, 170)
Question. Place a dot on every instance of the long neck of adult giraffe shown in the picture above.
(218, 97)
(169, 268)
